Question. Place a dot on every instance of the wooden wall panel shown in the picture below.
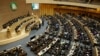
(47, 9)
(76, 10)
(50, 9)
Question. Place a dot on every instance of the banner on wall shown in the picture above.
(13, 5)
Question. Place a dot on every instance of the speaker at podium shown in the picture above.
(8, 32)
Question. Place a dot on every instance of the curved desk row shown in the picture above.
(13, 21)
(96, 51)
(91, 37)
(17, 30)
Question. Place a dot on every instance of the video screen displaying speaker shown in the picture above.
(35, 6)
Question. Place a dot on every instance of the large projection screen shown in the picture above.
(35, 6)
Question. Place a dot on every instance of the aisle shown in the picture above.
(22, 42)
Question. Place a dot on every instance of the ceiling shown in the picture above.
(92, 5)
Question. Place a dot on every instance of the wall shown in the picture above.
(47, 9)
(7, 14)
(78, 10)
(50, 9)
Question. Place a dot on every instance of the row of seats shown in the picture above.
(82, 35)
(84, 39)
(15, 51)
(54, 25)
(38, 43)
(11, 22)
(18, 28)
(54, 28)
(59, 49)
(83, 51)
(98, 51)
(93, 25)
(29, 26)
(62, 44)
(67, 30)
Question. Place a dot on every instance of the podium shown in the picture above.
(9, 32)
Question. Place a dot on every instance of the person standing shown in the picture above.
(8, 32)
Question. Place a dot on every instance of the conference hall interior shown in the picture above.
(50, 28)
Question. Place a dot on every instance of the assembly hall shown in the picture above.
(50, 28)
